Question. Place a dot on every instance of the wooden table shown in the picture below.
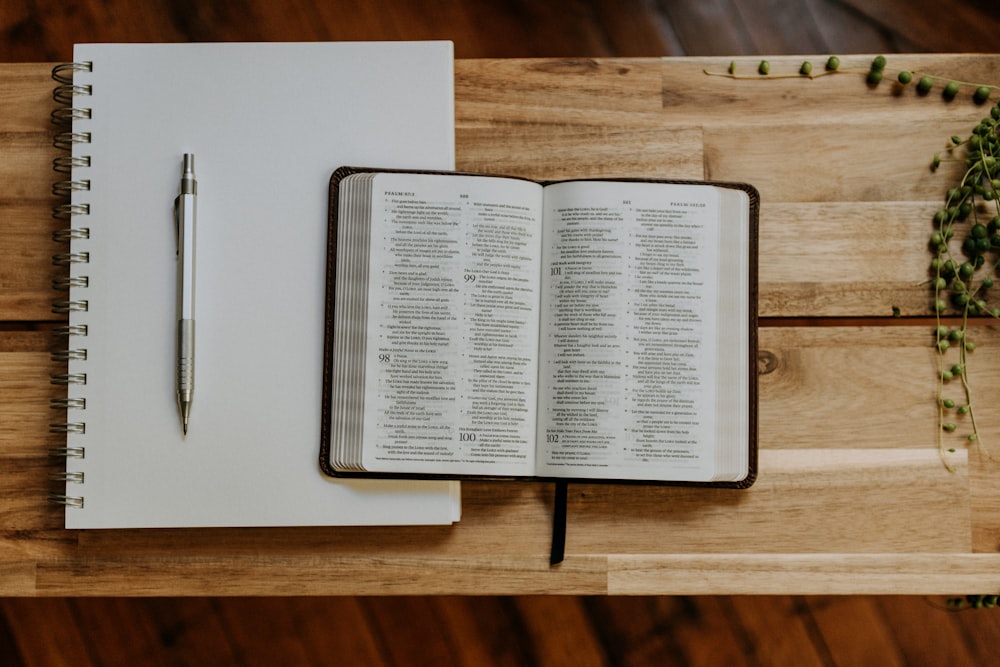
(852, 494)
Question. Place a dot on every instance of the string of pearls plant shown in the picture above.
(966, 254)
(965, 243)
(873, 76)
(964, 247)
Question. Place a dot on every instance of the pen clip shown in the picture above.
(177, 226)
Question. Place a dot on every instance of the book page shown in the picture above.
(451, 361)
(629, 328)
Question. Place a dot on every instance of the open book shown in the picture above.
(495, 326)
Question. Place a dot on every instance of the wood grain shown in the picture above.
(759, 617)
(838, 252)
(629, 118)
(826, 574)
(850, 470)
(874, 181)
(923, 23)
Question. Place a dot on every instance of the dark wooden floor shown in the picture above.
(519, 630)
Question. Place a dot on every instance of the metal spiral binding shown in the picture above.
(68, 427)
(67, 258)
(70, 330)
(64, 283)
(78, 403)
(76, 477)
(69, 355)
(68, 501)
(64, 141)
(68, 378)
(65, 95)
(62, 307)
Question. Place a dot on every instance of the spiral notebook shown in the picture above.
(268, 124)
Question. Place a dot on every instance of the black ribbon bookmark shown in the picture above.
(559, 524)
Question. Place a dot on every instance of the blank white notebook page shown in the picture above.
(268, 124)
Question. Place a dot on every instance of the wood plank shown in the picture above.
(842, 99)
(487, 630)
(818, 244)
(540, 614)
(674, 155)
(17, 577)
(25, 415)
(120, 632)
(155, 632)
(828, 359)
(803, 574)
(32, 339)
(632, 28)
(815, 380)
(25, 204)
(780, 27)
(671, 630)
(399, 638)
(844, 410)
(515, 91)
(26, 96)
(295, 631)
(708, 638)
(519, 89)
(478, 29)
(48, 632)
(922, 632)
(636, 29)
(8, 642)
(27, 272)
(844, 30)
(607, 519)
(706, 27)
(920, 508)
(817, 261)
(984, 500)
(672, 150)
(495, 30)
(884, 392)
(958, 25)
(45, 31)
(604, 520)
(979, 628)
(638, 630)
(27, 171)
(854, 631)
(829, 375)
(189, 629)
(228, 574)
(778, 631)
(849, 175)
(27, 483)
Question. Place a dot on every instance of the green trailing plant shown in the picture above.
(965, 249)
(965, 241)
(973, 602)
(964, 246)
(875, 73)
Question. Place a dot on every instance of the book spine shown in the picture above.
(73, 284)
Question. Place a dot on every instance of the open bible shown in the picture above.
(492, 326)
